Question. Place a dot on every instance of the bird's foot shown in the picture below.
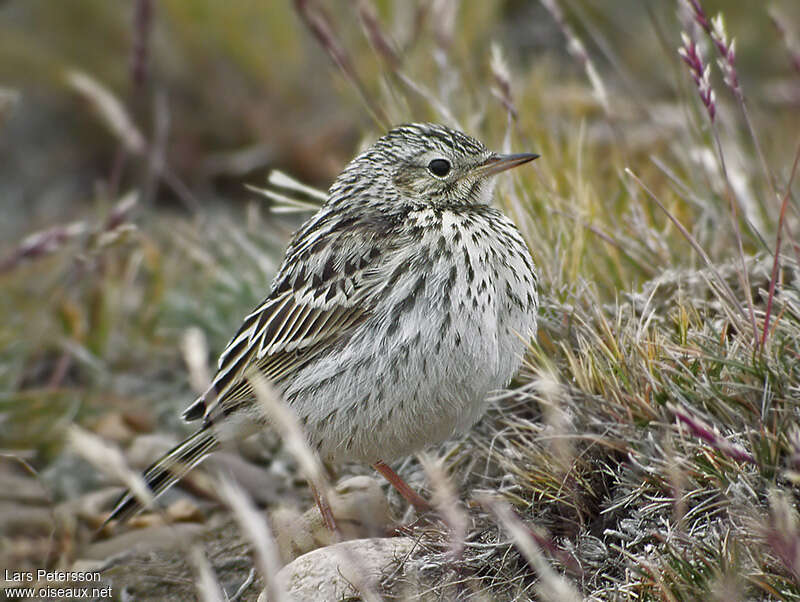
(412, 497)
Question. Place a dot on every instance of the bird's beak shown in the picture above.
(497, 163)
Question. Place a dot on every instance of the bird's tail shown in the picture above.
(171, 467)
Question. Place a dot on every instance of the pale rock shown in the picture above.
(359, 508)
(25, 489)
(344, 570)
(146, 449)
(140, 541)
(113, 427)
(260, 484)
(21, 519)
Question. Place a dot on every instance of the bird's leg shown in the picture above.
(403, 488)
(324, 508)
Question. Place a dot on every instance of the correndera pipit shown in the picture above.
(400, 305)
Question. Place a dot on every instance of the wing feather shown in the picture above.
(274, 367)
(311, 307)
(270, 322)
(287, 331)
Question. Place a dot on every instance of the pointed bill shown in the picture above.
(497, 163)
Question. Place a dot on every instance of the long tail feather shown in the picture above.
(162, 474)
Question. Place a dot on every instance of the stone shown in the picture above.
(264, 488)
(20, 519)
(140, 541)
(112, 426)
(24, 489)
(90, 507)
(359, 507)
(344, 570)
(146, 449)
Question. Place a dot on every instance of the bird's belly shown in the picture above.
(388, 397)
(439, 343)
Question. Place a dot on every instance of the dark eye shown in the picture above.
(439, 167)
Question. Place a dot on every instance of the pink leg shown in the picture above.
(324, 508)
(403, 488)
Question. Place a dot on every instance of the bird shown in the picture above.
(399, 308)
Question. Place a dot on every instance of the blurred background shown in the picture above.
(131, 246)
(223, 92)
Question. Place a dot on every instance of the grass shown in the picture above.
(649, 448)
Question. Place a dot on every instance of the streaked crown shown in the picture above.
(417, 163)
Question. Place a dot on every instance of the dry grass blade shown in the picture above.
(440, 107)
(254, 526)
(502, 77)
(56, 238)
(283, 180)
(552, 586)
(788, 37)
(701, 430)
(692, 241)
(285, 422)
(120, 123)
(783, 532)
(321, 27)
(283, 203)
(640, 262)
(776, 261)
(377, 37)
(122, 210)
(195, 354)
(9, 99)
(110, 109)
(140, 52)
(109, 460)
(446, 502)
(576, 48)
(43, 243)
(208, 588)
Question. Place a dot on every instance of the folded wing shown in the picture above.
(321, 294)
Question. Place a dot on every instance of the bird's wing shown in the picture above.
(320, 295)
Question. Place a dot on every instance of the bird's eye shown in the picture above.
(439, 167)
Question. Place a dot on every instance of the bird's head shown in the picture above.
(426, 163)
